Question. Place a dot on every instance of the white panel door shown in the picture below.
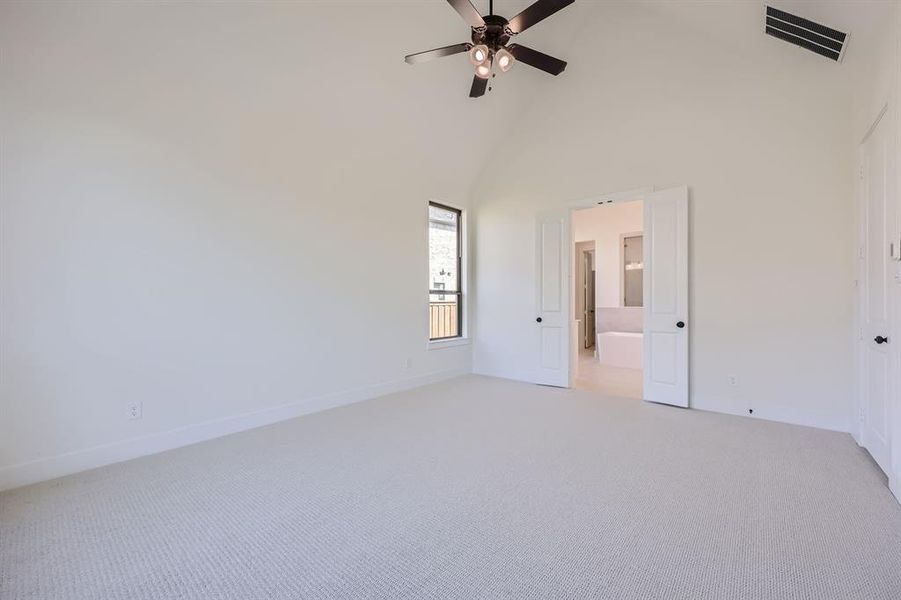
(666, 297)
(552, 302)
(874, 298)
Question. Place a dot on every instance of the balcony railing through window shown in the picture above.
(444, 319)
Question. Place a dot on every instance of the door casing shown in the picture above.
(588, 298)
(570, 259)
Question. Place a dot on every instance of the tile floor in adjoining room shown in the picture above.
(591, 375)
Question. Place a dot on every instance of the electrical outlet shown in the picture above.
(408, 363)
(733, 380)
(135, 410)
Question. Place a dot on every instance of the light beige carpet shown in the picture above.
(475, 488)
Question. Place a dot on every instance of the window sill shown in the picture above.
(440, 344)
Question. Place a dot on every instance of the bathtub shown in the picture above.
(620, 349)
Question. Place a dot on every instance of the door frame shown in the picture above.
(581, 264)
(564, 215)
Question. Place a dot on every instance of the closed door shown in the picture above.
(874, 298)
(666, 296)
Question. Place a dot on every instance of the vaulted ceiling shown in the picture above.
(279, 85)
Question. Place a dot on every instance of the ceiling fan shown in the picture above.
(490, 34)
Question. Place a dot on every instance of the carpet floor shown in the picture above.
(473, 488)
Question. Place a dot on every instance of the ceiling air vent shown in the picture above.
(823, 40)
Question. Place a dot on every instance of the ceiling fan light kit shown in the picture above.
(505, 60)
(490, 36)
(479, 54)
(484, 70)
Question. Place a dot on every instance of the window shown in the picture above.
(445, 265)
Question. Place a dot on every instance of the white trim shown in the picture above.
(778, 414)
(614, 198)
(448, 343)
(858, 382)
(90, 458)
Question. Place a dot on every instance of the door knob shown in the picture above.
(538, 320)
(880, 340)
(680, 324)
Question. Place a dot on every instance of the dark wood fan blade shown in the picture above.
(539, 11)
(479, 86)
(468, 12)
(537, 59)
(436, 53)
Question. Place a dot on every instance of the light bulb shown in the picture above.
(505, 60)
(478, 54)
(484, 70)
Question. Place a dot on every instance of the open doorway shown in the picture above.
(664, 291)
(585, 303)
(608, 298)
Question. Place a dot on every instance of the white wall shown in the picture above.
(214, 210)
(878, 86)
(758, 129)
(604, 225)
(193, 195)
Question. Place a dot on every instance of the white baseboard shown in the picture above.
(778, 414)
(52, 467)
